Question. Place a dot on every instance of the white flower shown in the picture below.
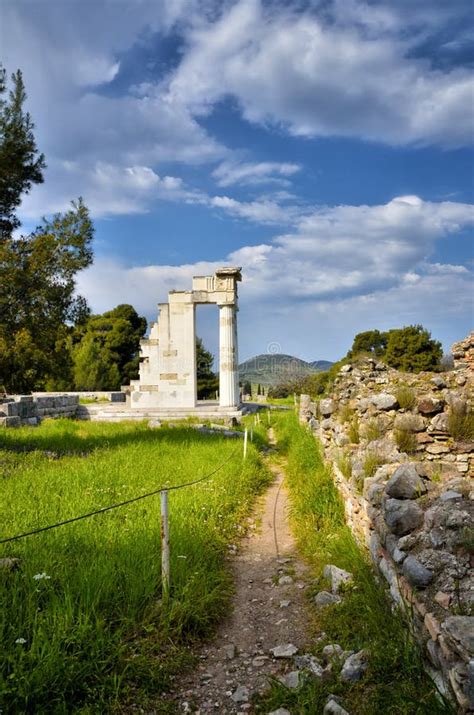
(41, 576)
(181, 556)
(21, 641)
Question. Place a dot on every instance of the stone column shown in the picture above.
(228, 359)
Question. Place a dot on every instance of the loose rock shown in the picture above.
(415, 573)
(284, 651)
(337, 576)
(402, 516)
(405, 483)
(324, 598)
(355, 667)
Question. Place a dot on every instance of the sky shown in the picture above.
(326, 146)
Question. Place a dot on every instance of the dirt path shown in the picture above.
(267, 612)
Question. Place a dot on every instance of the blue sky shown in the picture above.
(326, 146)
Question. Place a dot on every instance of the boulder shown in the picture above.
(410, 422)
(284, 651)
(327, 407)
(440, 423)
(416, 574)
(460, 632)
(402, 516)
(438, 382)
(405, 483)
(384, 401)
(430, 405)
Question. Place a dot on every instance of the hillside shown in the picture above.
(270, 369)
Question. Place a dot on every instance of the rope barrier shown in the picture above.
(103, 509)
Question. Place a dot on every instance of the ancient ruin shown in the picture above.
(168, 356)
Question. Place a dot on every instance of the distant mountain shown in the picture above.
(268, 369)
(321, 365)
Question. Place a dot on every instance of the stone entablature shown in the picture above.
(168, 356)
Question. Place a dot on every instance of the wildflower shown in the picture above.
(21, 641)
(41, 576)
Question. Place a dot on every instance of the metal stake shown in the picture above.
(165, 545)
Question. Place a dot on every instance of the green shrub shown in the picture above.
(372, 461)
(373, 430)
(345, 414)
(353, 432)
(406, 397)
(406, 440)
(461, 424)
(344, 463)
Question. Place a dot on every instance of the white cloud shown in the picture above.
(343, 269)
(324, 78)
(248, 173)
(108, 189)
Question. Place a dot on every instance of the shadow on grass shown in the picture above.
(68, 438)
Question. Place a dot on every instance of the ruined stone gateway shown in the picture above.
(168, 356)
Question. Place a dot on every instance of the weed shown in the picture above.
(461, 424)
(406, 397)
(345, 414)
(353, 432)
(372, 461)
(373, 430)
(405, 440)
(344, 463)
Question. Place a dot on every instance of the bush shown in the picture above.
(372, 461)
(461, 424)
(373, 430)
(353, 432)
(406, 440)
(345, 414)
(344, 463)
(406, 397)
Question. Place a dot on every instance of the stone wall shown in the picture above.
(404, 465)
(17, 410)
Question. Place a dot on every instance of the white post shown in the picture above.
(245, 442)
(251, 434)
(165, 545)
(228, 359)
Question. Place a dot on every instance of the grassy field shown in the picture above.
(395, 683)
(82, 623)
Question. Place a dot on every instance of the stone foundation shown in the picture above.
(18, 410)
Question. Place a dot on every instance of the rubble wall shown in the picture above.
(18, 410)
(402, 455)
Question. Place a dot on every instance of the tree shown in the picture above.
(207, 380)
(21, 165)
(412, 349)
(370, 341)
(247, 388)
(38, 305)
(112, 340)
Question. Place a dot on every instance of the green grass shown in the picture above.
(405, 440)
(372, 461)
(461, 424)
(98, 635)
(395, 682)
(406, 397)
(353, 432)
(373, 430)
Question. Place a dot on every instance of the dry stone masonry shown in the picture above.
(403, 460)
(17, 410)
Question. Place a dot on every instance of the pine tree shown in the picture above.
(21, 165)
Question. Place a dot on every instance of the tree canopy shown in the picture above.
(21, 165)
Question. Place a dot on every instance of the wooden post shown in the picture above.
(245, 442)
(165, 545)
(251, 434)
